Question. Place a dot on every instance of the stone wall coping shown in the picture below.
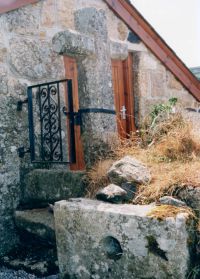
(95, 205)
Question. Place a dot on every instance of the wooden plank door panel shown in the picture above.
(122, 75)
(72, 73)
(119, 97)
(129, 93)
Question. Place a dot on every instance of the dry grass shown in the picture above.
(168, 179)
(164, 211)
(152, 133)
(179, 144)
(170, 140)
(172, 155)
(97, 177)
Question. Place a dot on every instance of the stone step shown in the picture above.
(33, 258)
(41, 187)
(36, 222)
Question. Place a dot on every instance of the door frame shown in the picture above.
(71, 72)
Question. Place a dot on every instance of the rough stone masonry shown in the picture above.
(98, 240)
(27, 58)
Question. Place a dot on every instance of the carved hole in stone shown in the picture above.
(154, 248)
(112, 248)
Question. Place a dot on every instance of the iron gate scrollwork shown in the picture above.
(49, 133)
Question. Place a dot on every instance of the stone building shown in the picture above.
(119, 67)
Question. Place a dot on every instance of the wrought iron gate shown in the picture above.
(52, 122)
(51, 133)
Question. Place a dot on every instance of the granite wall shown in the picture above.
(27, 57)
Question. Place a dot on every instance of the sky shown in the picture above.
(178, 23)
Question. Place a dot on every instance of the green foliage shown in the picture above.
(163, 108)
(159, 122)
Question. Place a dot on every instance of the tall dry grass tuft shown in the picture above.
(170, 150)
(97, 177)
(172, 153)
(162, 212)
(178, 144)
(167, 179)
(151, 131)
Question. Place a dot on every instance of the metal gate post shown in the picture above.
(31, 124)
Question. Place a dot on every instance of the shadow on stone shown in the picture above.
(112, 248)
(153, 247)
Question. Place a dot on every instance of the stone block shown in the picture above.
(35, 59)
(122, 30)
(73, 44)
(48, 16)
(3, 53)
(65, 16)
(24, 20)
(184, 97)
(118, 50)
(112, 193)
(95, 84)
(128, 169)
(99, 240)
(142, 83)
(41, 187)
(191, 196)
(168, 200)
(6, 200)
(148, 61)
(172, 82)
(91, 21)
(9, 190)
(3, 79)
(8, 236)
(38, 222)
(158, 84)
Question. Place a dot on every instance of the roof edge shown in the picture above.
(136, 22)
(7, 7)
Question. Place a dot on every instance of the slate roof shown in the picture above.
(196, 72)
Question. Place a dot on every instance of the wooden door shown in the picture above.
(119, 96)
(129, 94)
(122, 75)
(72, 73)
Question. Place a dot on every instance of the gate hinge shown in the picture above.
(20, 104)
(21, 151)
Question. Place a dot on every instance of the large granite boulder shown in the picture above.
(128, 169)
(168, 200)
(191, 196)
(112, 193)
(100, 240)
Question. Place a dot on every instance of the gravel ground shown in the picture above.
(13, 274)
